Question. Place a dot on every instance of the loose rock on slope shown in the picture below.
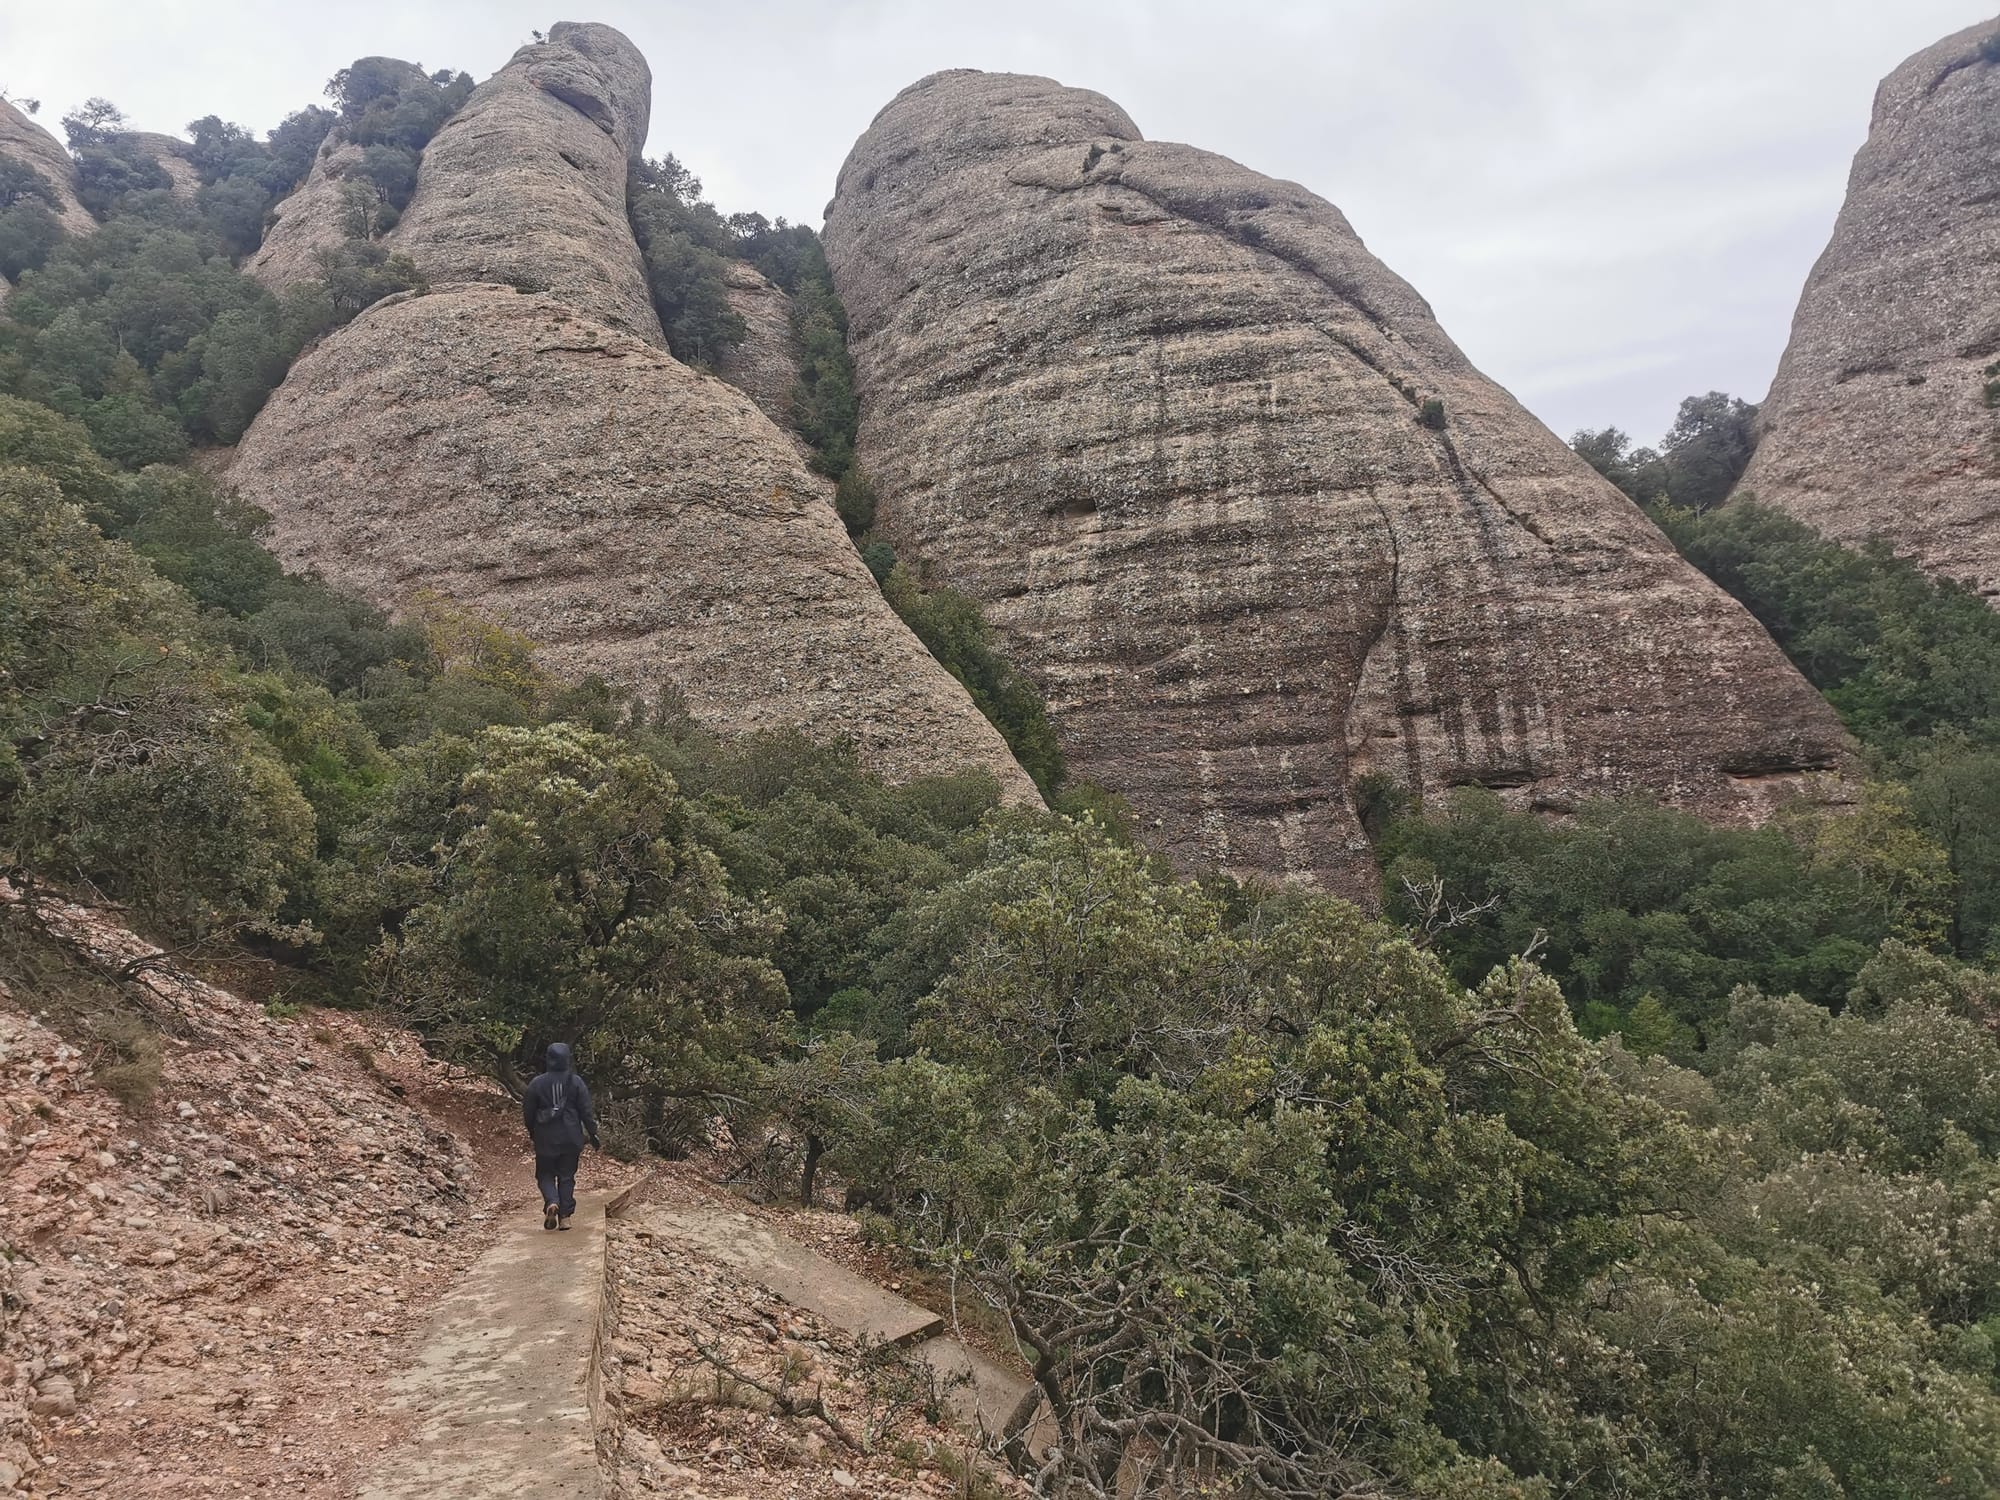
(178, 1275)
(1882, 417)
(1178, 430)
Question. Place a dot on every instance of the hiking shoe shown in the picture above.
(563, 1222)
(549, 1216)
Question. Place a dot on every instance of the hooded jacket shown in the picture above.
(557, 1108)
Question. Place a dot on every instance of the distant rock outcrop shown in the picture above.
(313, 219)
(531, 450)
(22, 140)
(171, 154)
(1885, 413)
(765, 366)
(317, 217)
(633, 517)
(526, 184)
(1254, 523)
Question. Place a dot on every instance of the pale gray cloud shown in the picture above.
(1610, 205)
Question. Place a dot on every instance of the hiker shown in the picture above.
(556, 1109)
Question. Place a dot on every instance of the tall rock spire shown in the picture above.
(519, 439)
(526, 184)
(1884, 417)
(1251, 519)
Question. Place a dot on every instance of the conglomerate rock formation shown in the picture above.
(314, 218)
(522, 449)
(23, 141)
(633, 517)
(526, 184)
(1884, 417)
(1255, 524)
(765, 366)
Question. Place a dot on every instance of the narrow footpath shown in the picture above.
(499, 1390)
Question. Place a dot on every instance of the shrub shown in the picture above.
(955, 632)
(854, 501)
(685, 244)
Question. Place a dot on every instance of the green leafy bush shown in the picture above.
(1630, 901)
(126, 764)
(954, 631)
(546, 884)
(685, 245)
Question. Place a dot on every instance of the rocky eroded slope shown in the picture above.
(200, 1279)
(519, 439)
(1247, 514)
(1884, 417)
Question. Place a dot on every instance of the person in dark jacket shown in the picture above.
(558, 1113)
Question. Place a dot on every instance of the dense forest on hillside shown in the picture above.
(1628, 1157)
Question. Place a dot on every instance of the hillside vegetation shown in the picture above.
(1628, 1158)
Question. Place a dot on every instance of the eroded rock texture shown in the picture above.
(527, 450)
(22, 140)
(526, 184)
(633, 517)
(1166, 418)
(765, 366)
(1882, 418)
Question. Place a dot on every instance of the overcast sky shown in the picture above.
(1610, 203)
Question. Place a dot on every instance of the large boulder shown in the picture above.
(526, 184)
(1255, 524)
(1884, 417)
(23, 141)
(633, 517)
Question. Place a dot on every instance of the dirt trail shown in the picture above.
(307, 1260)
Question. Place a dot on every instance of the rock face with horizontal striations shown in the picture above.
(1251, 519)
(526, 184)
(23, 141)
(1885, 413)
(633, 517)
(527, 454)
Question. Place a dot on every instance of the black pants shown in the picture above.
(556, 1172)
